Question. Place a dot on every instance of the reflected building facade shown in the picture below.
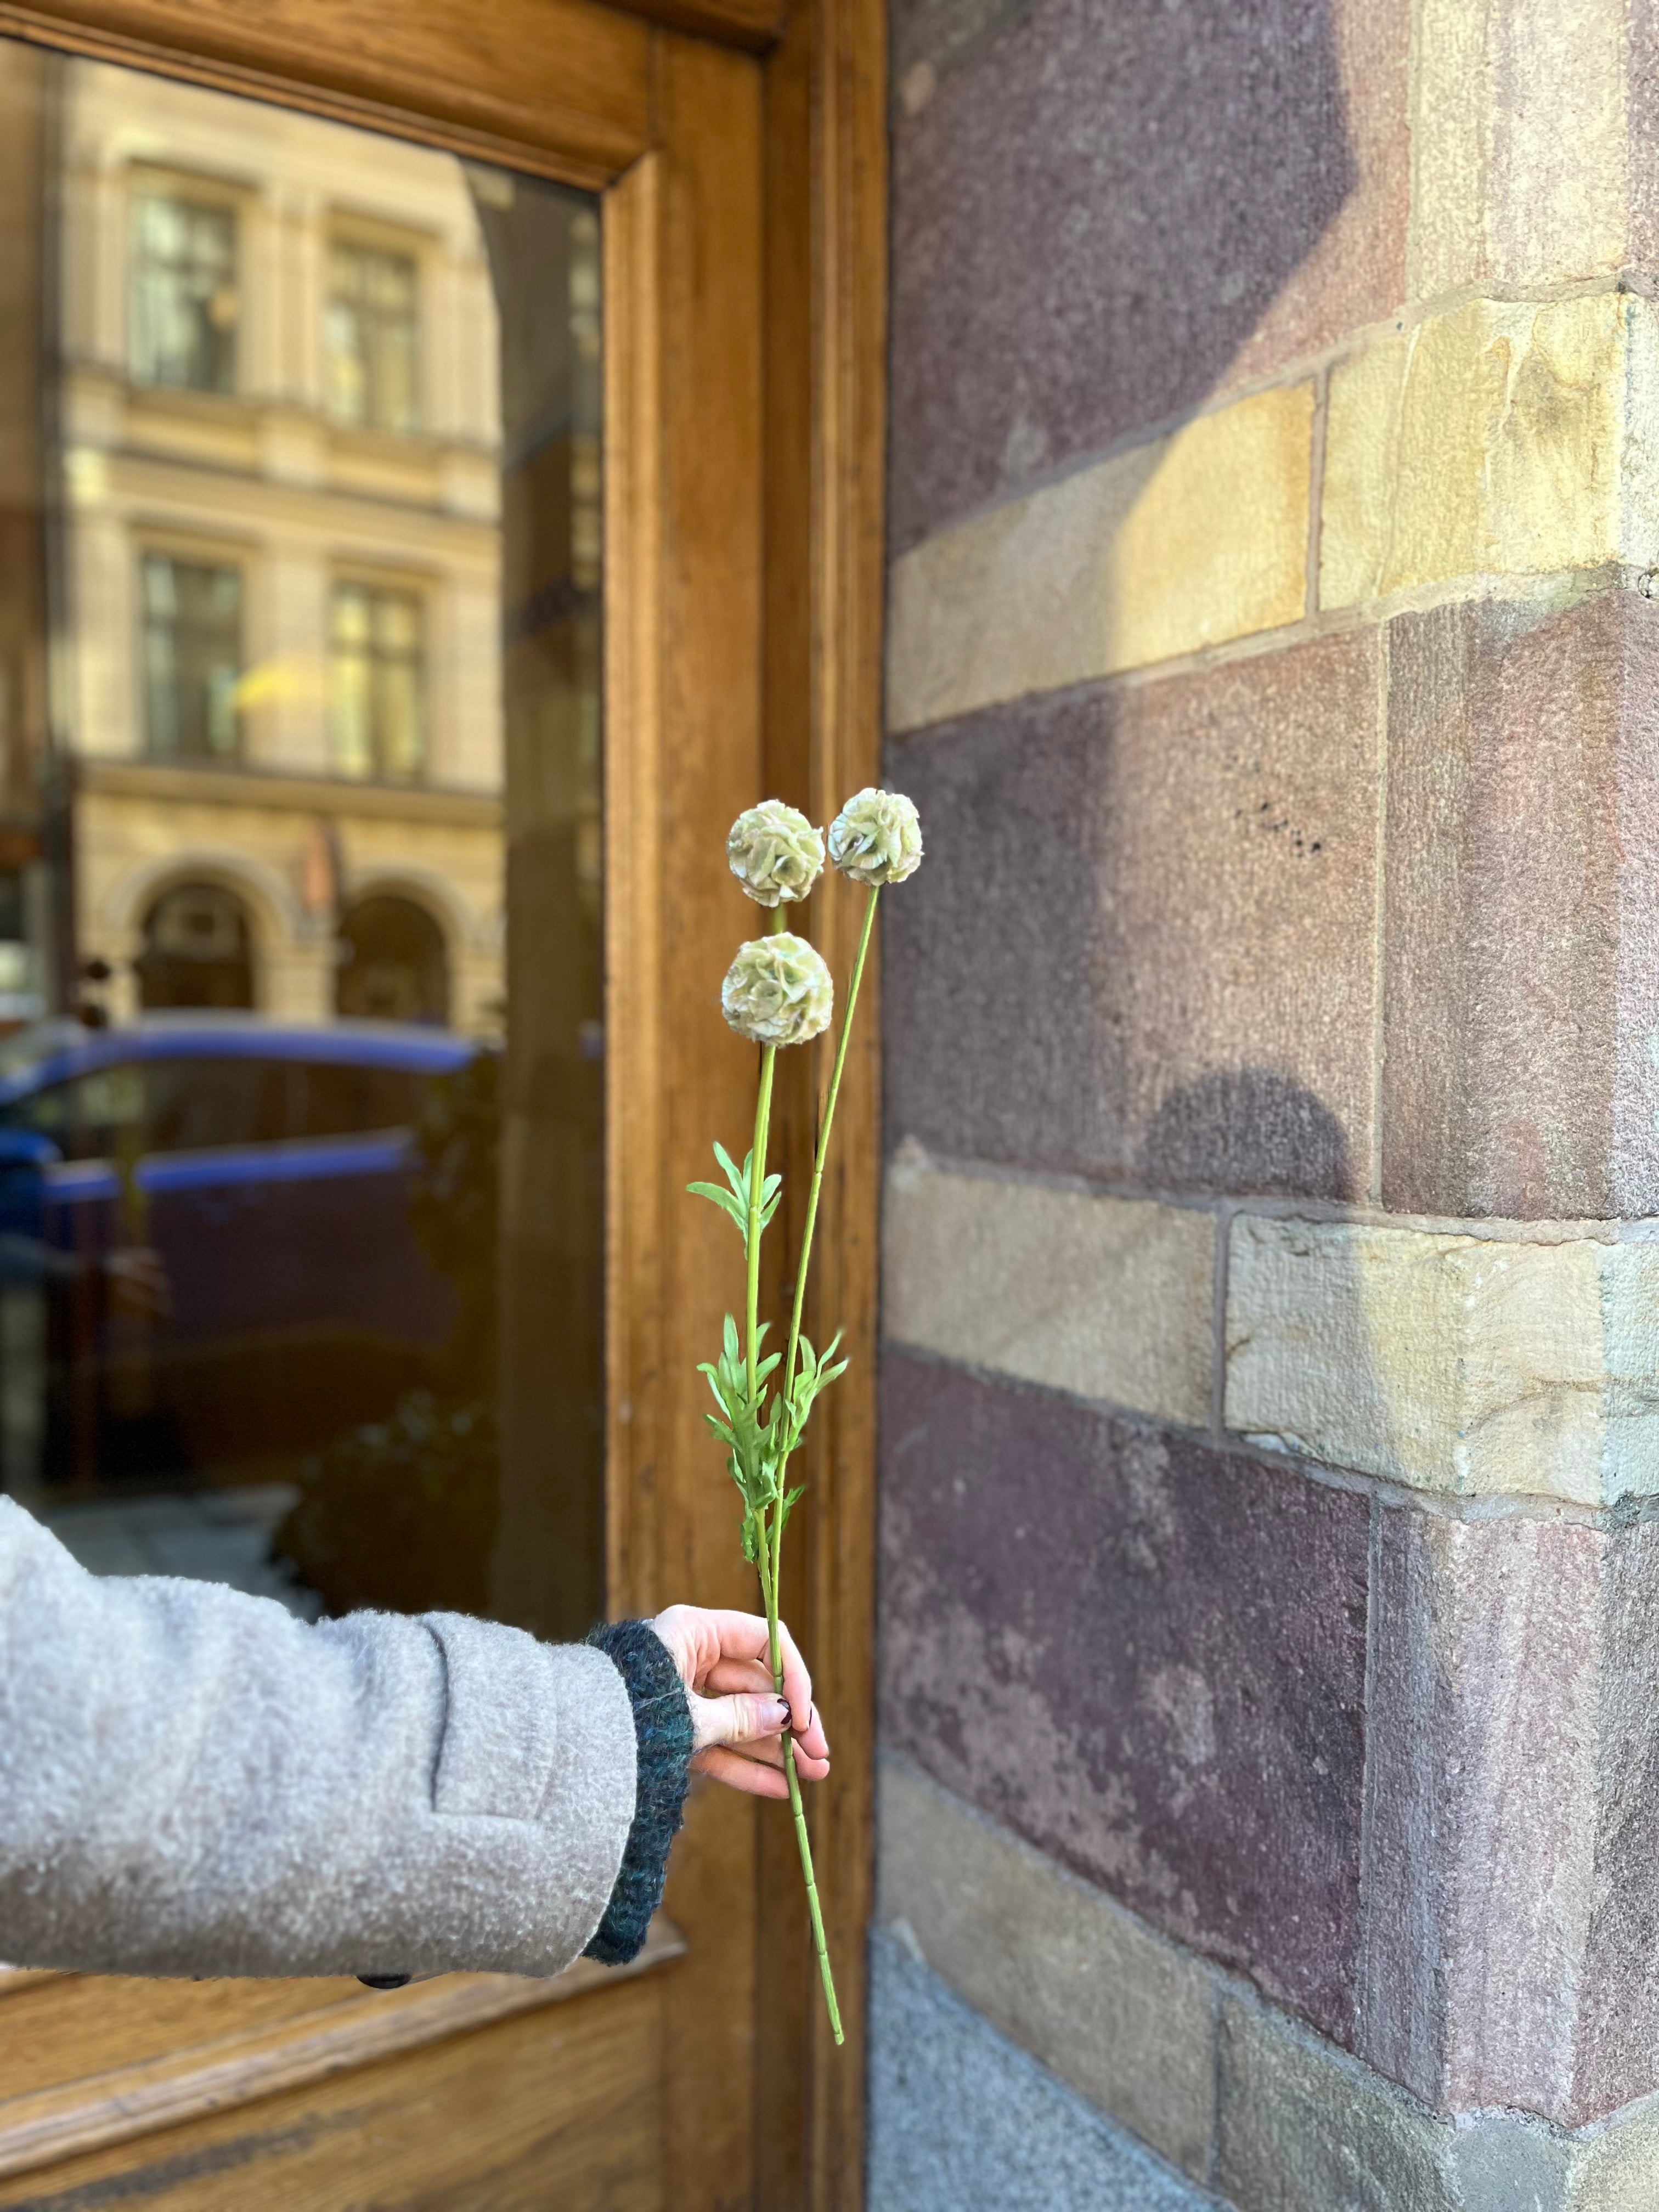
(278, 680)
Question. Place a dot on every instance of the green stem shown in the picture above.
(756, 1186)
(812, 1198)
(803, 1841)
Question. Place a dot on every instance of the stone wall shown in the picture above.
(1270, 1604)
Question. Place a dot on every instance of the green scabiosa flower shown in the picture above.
(778, 991)
(774, 853)
(876, 838)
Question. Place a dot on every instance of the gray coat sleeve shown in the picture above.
(192, 1782)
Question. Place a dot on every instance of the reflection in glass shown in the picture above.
(192, 657)
(184, 290)
(373, 337)
(300, 1055)
(378, 702)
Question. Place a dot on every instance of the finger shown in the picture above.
(739, 1773)
(729, 1676)
(811, 1742)
(734, 1635)
(769, 1751)
(735, 1720)
(797, 1682)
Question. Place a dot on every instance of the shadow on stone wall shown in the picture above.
(1246, 1129)
(1091, 221)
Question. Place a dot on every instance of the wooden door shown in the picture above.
(740, 159)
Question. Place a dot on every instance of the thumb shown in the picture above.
(738, 1719)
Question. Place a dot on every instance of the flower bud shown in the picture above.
(778, 991)
(774, 853)
(877, 838)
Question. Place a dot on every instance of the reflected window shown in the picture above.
(192, 659)
(377, 684)
(184, 307)
(198, 949)
(342, 1252)
(392, 962)
(373, 337)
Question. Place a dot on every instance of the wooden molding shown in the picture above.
(562, 87)
(755, 24)
(635, 1193)
(51, 2125)
(827, 203)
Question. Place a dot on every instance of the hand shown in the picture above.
(737, 1719)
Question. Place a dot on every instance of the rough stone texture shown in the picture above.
(961, 2121)
(1523, 158)
(1302, 2128)
(1143, 944)
(1147, 1657)
(1449, 1363)
(1482, 1837)
(961, 2118)
(1617, 2055)
(1504, 438)
(1123, 2016)
(1120, 207)
(927, 39)
(1512, 1897)
(1107, 1297)
(1612, 2172)
(1188, 542)
(1521, 1074)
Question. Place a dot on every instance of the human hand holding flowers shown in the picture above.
(777, 993)
(737, 1718)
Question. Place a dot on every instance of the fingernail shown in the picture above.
(780, 1707)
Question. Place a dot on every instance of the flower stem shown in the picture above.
(757, 1188)
(828, 1122)
(803, 1841)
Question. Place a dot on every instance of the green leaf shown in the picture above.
(726, 1203)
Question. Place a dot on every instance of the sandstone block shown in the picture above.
(1075, 1980)
(1145, 1658)
(1445, 1361)
(1501, 438)
(1190, 541)
(1302, 2128)
(1182, 992)
(1107, 1297)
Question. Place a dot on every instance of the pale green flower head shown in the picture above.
(774, 853)
(877, 838)
(778, 991)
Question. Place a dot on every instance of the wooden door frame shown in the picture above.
(744, 627)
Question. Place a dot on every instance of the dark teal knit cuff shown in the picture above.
(662, 1734)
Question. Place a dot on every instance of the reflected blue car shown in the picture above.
(215, 1209)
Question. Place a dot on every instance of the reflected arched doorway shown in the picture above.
(198, 950)
(393, 967)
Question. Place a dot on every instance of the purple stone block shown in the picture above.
(1116, 209)
(1146, 1657)
(1143, 945)
(1522, 960)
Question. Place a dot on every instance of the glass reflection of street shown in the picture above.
(300, 1047)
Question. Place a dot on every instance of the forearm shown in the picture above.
(191, 1781)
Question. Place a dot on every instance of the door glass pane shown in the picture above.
(300, 1055)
